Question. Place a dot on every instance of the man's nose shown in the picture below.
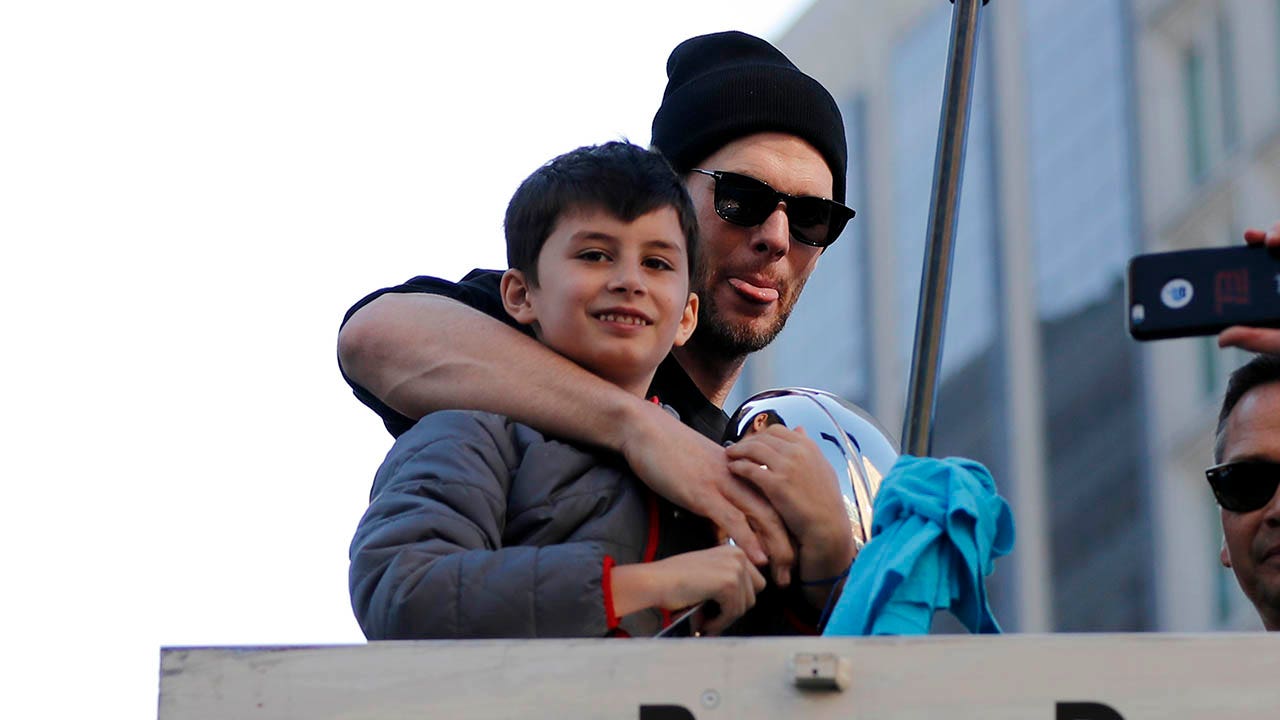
(773, 236)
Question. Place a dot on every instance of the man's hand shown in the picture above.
(693, 472)
(1262, 340)
(420, 353)
(723, 574)
(790, 470)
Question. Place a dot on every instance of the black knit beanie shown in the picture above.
(728, 85)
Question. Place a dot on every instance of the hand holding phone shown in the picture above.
(1255, 339)
(1203, 292)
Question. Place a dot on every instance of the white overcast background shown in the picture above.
(191, 196)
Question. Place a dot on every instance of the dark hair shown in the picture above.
(1260, 370)
(619, 178)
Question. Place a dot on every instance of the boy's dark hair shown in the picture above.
(619, 178)
(1260, 370)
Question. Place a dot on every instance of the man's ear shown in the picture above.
(688, 321)
(1224, 555)
(515, 297)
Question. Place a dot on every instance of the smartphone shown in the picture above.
(1202, 292)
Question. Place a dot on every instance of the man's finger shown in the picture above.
(761, 474)
(763, 442)
(1261, 340)
(1270, 236)
(780, 452)
(768, 527)
(735, 524)
(1232, 336)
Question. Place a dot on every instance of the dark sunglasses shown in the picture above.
(1244, 486)
(746, 201)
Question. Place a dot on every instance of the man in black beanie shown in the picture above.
(762, 148)
(734, 103)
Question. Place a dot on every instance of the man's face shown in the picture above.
(751, 277)
(612, 296)
(1251, 544)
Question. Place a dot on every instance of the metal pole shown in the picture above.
(935, 281)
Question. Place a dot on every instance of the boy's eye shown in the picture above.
(593, 256)
(657, 263)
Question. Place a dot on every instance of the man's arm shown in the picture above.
(1263, 340)
(421, 353)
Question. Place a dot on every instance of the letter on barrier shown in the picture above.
(665, 712)
(1086, 711)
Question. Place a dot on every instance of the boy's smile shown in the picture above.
(612, 296)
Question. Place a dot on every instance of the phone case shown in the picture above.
(1201, 292)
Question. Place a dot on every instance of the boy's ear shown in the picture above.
(1224, 555)
(688, 321)
(515, 297)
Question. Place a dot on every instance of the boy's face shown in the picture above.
(612, 296)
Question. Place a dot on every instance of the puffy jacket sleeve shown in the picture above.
(428, 561)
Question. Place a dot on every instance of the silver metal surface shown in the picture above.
(943, 210)
(686, 616)
(858, 448)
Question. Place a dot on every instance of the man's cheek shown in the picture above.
(1235, 539)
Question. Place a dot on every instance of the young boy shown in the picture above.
(480, 526)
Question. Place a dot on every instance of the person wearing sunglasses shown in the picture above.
(761, 146)
(1245, 481)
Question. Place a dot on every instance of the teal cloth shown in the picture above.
(937, 528)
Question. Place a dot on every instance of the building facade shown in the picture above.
(1099, 129)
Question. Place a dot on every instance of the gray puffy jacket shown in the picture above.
(482, 527)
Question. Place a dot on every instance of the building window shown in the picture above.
(1197, 128)
(1227, 81)
(1210, 368)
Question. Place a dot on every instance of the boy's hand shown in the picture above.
(693, 472)
(723, 574)
(1263, 340)
(790, 470)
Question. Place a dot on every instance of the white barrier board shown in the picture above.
(1060, 677)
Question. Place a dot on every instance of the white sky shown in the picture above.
(191, 195)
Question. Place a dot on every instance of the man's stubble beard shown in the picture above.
(721, 339)
(1267, 590)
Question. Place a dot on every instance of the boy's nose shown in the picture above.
(627, 280)
(773, 236)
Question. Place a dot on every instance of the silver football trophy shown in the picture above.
(857, 447)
